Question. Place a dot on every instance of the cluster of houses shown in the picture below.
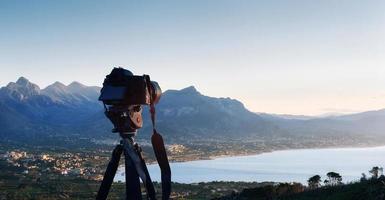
(64, 164)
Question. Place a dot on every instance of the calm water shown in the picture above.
(279, 166)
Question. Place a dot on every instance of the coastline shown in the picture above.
(245, 154)
(294, 149)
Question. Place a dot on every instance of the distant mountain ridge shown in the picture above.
(23, 90)
(31, 111)
(73, 110)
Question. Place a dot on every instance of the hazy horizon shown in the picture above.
(292, 57)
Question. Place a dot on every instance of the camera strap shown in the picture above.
(160, 151)
(161, 157)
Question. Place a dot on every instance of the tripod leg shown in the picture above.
(133, 191)
(110, 173)
(149, 185)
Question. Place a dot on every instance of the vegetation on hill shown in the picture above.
(333, 189)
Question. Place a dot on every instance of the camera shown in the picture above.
(122, 94)
(122, 87)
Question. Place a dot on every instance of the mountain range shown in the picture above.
(28, 112)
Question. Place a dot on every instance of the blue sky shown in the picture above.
(282, 56)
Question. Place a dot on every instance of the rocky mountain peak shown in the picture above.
(55, 88)
(190, 90)
(58, 84)
(73, 94)
(21, 89)
(76, 84)
(77, 87)
(22, 81)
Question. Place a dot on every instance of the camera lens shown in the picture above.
(156, 92)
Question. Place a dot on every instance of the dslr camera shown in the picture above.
(122, 94)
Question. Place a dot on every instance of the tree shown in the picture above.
(314, 182)
(363, 177)
(376, 172)
(334, 178)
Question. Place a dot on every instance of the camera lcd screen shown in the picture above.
(113, 93)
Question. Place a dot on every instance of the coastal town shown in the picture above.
(74, 164)
(85, 165)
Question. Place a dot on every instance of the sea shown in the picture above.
(277, 166)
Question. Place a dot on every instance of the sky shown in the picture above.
(276, 56)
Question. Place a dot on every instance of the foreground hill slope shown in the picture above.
(364, 190)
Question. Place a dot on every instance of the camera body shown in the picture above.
(123, 93)
(121, 87)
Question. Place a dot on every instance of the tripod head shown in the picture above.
(126, 119)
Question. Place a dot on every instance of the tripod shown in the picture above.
(122, 95)
(135, 167)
